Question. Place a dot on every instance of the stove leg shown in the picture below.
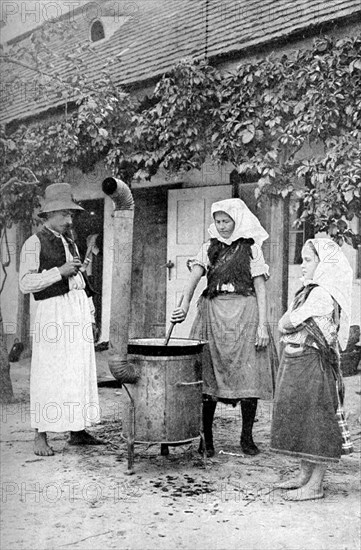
(203, 447)
(164, 449)
(131, 434)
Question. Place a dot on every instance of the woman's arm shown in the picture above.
(318, 303)
(180, 313)
(285, 326)
(262, 339)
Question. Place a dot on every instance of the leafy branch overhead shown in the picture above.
(298, 118)
(292, 123)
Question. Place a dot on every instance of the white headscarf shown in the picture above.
(246, 223)
(334, 274)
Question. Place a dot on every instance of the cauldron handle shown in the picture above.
(171, 327)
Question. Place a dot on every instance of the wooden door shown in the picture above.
(147, 318)
(88, 226)
(189, 216)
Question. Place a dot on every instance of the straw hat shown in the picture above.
(58, 196)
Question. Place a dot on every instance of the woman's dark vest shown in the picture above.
(52, 254)
(229, 264)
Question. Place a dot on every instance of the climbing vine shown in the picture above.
(276, 112)
(292, 123)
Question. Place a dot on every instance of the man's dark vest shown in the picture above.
(52, 254)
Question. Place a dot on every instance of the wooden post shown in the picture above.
(23, 232)
(274, 216)
(273, 213)
(6, 388)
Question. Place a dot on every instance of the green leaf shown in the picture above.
(248, 134)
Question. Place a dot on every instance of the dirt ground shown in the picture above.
(81, 498)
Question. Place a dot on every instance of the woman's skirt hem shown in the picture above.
(238, 397)
(305, 456)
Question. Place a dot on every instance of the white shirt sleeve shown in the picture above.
(200, 259)
(29, 278)
(258, 265)
(318, 304)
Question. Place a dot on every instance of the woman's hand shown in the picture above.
(179, 314)
(262, 337)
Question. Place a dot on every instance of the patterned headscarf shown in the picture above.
(246, 223)
(334, 274)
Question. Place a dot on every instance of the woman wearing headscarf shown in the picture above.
(309, 389)
(240, 359)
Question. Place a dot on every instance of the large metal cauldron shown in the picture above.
(167, 397)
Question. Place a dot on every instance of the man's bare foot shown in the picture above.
(41, 447)
(83, 438)
(307, 492)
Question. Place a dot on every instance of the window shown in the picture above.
(97, 31)
(298, 235)
(244, 186)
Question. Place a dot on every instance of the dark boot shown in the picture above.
(208, 410)
(249, 409)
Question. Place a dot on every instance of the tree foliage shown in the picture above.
(292, 123)
(261, 117)
(175, 132)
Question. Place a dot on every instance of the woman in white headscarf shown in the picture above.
(240, 360)
(309, 389)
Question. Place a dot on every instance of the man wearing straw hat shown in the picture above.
(63, 382)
